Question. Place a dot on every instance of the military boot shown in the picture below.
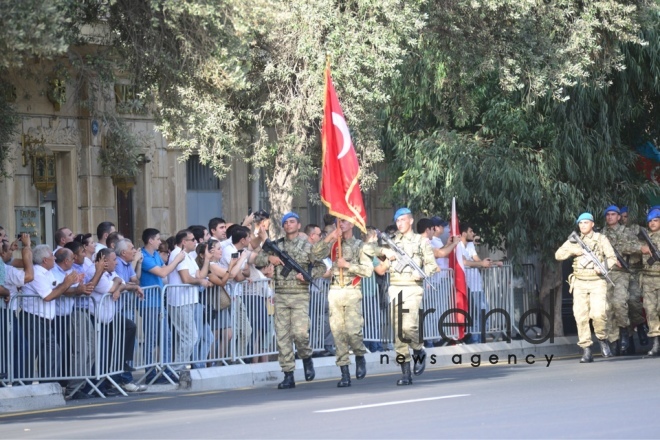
(624, 341)
(345, 380)
(406, 378)
(631, 346)
(360, 367)
(655, 350)
(642, 329)
(420, 362)
(586, 356)
(288, 381)
(605, 348)
(308, 365)
(614, 348)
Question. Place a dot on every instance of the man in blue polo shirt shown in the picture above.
(153, 272)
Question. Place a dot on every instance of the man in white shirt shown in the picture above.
(473, 280)
(102, 231)
(39, 313)
(14, 279)
(182, 297)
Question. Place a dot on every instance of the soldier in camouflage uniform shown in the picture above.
(349, 265)
(588, 285)
(635, 307)
(407, 284)
(291, 302)
(650, 281)
(621, 239)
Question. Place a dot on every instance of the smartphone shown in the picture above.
(249, 210)
(235, 255)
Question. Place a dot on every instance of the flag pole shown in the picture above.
(339, 255)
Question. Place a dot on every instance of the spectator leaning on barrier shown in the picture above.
(13, 280)
(153, 272)
(39, 314)
(113, 324)
(181, 300)
(103, 230)
(218, 228)
(473, 279)
(126, 254)
(62, 236)
(84, 350)
(88, 245)
(68, 338)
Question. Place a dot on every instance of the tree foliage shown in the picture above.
(525, 112)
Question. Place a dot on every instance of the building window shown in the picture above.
(200, 177)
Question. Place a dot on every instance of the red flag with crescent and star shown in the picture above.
(340, 190)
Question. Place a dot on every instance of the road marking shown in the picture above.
(204, 393)
(149, 399)
(398, 402)
(66, 408)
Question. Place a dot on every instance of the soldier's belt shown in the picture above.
(290, 283)
(345, 286)
(651, 274)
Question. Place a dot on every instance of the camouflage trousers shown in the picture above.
(635, 306)
(346, 322)
(651, 292)
(617, 297)
(408, 326)
(292, 326)
(590, 302)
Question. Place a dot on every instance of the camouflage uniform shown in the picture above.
(345, 300)
(650, 282)
(589, 288)
(621, 239)
(635, 307)
(291, 304)
(410, 287)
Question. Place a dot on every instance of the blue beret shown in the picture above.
(612, 208)
(585, 216)
(289, 215)
(654, 213)
(624, 209)
(400, 212)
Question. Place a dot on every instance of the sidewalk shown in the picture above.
(42, 396)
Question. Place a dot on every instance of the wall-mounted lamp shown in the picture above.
(43, 162)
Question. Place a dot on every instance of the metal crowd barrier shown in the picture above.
(180, 325)
(490, 292)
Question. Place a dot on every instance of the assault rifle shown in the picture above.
(587, 252)
(655, 255)
(289, 263)
(624, 264)
(403, 260)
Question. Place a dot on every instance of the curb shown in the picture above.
(31, 397)
(269, 374)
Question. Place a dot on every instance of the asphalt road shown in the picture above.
(615, 398)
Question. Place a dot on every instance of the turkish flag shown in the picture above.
(458, 266)
(340, 190)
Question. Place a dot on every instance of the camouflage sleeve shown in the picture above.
(372, 249)
(306, 256)
(430, 265)
(610, 256)
(321, 250)
(262, 259)
(362, 266)
(631, 244)
(567, 250)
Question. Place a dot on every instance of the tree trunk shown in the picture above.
(280, 193)
(550, 291)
